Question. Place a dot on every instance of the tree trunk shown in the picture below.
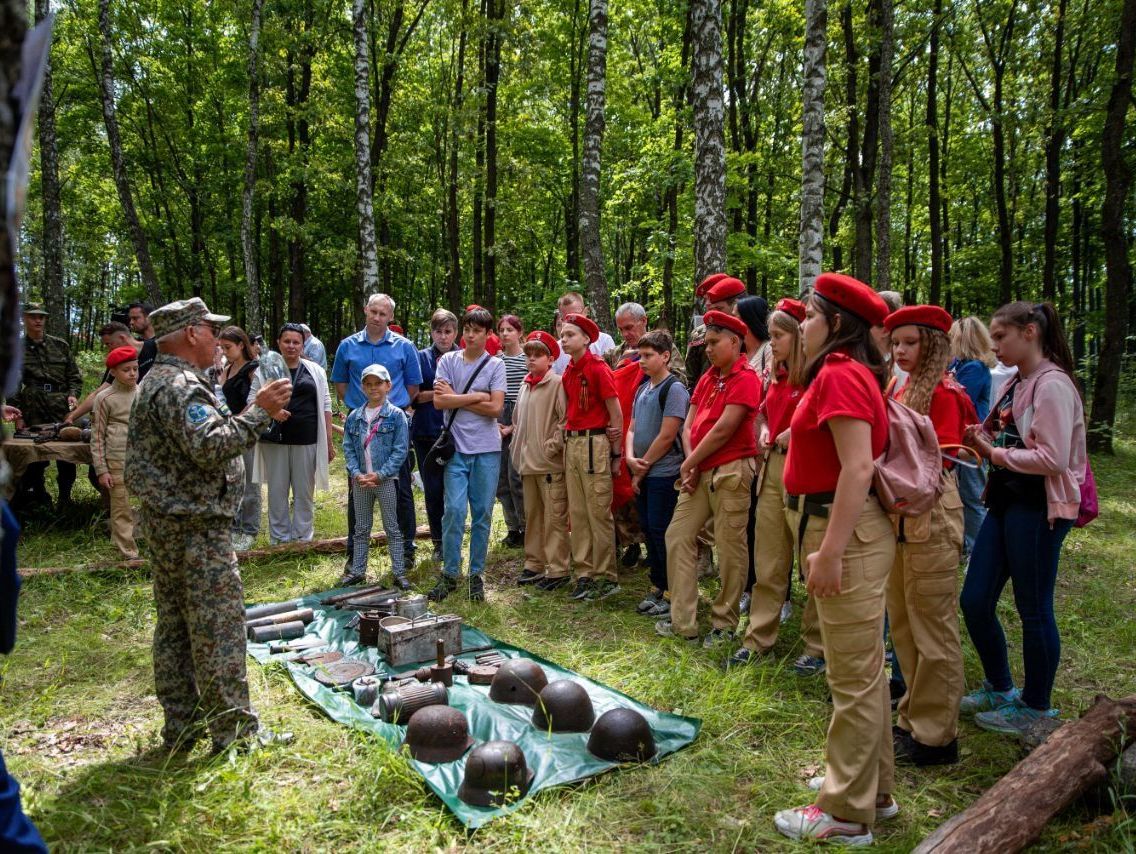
(591, 248)
(1054, 140)
(494, 24)
(479, 168)
(708, 103)
(852, 138)
(299, 141)
(364, 206)
(670, 202)
(119, 165)
(52, 287)
(934, 201)
(865, 174)
(811, 236)
(1114, 236)
(882, 279)
(254, 320)
(453, 224)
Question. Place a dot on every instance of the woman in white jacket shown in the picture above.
(292, 456)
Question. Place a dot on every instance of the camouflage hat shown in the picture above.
(182, 313)
(35, 308)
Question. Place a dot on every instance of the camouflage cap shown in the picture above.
(35, 308)
(182, 313)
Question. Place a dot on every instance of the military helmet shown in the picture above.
(622, 735)
(437, 734)
(518, 680)
(493, 771)
(564, 706)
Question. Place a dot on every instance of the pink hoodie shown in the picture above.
(1051, 420)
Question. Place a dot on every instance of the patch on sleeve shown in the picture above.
(197, 414)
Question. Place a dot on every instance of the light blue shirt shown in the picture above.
(392, 351)
(314, 351)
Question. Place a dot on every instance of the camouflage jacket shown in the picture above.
(677, 365)
(696, 362)
(183, 453)
(50, 375)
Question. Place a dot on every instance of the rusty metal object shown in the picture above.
(341, 673)
(297, 645)
(356, 593)
(404, 641)
(493, 658)
(382, 601)
(411, 606)
(622, 735)
(564, 706)
(315, 658)
(495, 773)
(275, 632)
(437, 734)
(398, 705)
(366, 690)
(518, 681)
(304, 615)
(481, 674)
(443, 670)
(270, 608)
(369, 626)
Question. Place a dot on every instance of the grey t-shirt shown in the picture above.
(473, 433)
(649, 421)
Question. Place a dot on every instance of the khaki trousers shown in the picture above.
(922, 609)
(859, 756)
(722, 494)
(587, 474)
(121, 518)
(773, 552)
(546, 536)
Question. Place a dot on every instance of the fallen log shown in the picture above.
(1014, 811)
(331, 545)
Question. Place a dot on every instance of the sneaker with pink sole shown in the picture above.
(812, 822)
(890, 810)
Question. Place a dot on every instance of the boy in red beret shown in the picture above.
(715, 482)
(537, 453)
(111, 413)
(593, 428)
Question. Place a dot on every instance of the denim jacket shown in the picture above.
(388, 448)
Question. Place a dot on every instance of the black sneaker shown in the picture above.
(602, 589)
(476, 588)
(438, 557)
(896, 689)
(631, 556)
(583, 587)
(650, 601)
(529, 576)
(742, 657)
(444, 587)
(908, 751)
(513, 540)
(548, 584)
(350, 579)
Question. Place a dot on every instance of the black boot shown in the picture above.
(444, 587)
(476, 589)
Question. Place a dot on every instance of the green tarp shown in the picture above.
(556, 758)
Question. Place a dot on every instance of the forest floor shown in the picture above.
(79, 722)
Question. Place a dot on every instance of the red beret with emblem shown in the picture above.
(853, 296)
(585, 325)
(709, 282)
(725, 288)
(121, 354)
(920, 315)
(792, 307)
(542, 337)
(725, 321)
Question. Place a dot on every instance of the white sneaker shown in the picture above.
(811, 822)
(786, 611)
(882, 813)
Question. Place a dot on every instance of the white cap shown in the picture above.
(379, 371)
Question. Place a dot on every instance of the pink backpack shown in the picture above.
(908, 472)
(1090, 505)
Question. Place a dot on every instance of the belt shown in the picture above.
(813, 504)
(592, 431)
(40, 386)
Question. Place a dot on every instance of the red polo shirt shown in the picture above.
(842, 388)
(587, 383)
(779, 404)
(740, 386)
(951, 410)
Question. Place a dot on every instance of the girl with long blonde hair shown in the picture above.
(972, 357)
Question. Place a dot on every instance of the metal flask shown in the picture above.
(272, 367)
(396, 707)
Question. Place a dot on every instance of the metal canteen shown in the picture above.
(396, 706)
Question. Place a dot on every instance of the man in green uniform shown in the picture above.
(49, 389)
(183, 461)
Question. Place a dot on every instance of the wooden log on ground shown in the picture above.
(332, 545)
(1014, 811)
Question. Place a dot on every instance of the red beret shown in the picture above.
(920, 315)
(725, 288)
(708, 283)
(473, 307)
(585, 324)
(121, 354)
(792, 307)
(542, 337)
(394, 327)
(853, 296)
(726, 321)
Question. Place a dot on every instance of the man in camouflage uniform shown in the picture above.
(183, 461)
(49, 389)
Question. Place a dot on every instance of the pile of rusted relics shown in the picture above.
(405, 632)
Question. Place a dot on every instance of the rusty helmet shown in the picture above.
(622, 735)
(495, 772)
(437, 734)
(564, 706)
(518, 680)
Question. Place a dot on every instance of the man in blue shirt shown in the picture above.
(375, 344)
(314, 351)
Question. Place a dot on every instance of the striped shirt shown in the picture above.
(516, 367)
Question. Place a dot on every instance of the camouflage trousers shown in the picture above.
(199, 638)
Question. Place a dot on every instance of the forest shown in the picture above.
(282, 158)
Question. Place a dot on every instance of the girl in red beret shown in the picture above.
(924, 581)
(847, 547)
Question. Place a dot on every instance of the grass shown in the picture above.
(79, 721)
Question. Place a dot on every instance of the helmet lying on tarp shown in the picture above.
(564, 706)
(518, 681)
(622, 735)
(437, 734)
(495, 773)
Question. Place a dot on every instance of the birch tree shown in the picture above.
(708, 104)
(591, 248)
(811, 239)
(364, 205)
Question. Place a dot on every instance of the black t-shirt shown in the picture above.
(146, 357)
(1006, 487)
(236, 388)
(301, 428)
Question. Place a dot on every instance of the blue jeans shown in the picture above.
(656, 505)
(471, 479)
(1017, 545)
(971, 483)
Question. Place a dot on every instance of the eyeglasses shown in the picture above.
(215, 328)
